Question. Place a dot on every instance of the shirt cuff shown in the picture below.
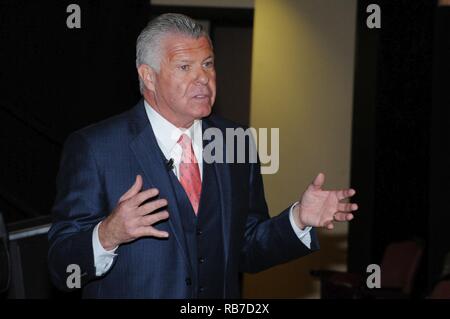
(304, 235)
(103, 259)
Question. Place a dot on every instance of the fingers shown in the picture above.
(318, 181)
(152, 206)
(135, 188)
(149, 220)
(330, 226)
(147, 230)
(150, 231)
(343, 217)
(338, 217)
(141, 197)
(347, 207)
(345, 193)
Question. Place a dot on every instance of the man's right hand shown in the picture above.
(129, 221)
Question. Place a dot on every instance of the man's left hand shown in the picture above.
(320, 208)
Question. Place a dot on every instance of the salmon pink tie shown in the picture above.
(189, 172)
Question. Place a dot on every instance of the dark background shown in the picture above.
(400, 143)
(55, 80)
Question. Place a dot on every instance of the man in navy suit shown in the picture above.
(142, 213)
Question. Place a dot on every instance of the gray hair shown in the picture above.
(148, 44)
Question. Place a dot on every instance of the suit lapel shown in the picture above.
(148, 154)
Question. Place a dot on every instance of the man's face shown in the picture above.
(185, 86)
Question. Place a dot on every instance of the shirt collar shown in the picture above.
(167, 134)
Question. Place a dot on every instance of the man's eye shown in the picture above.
(209, 64)
(184, 67)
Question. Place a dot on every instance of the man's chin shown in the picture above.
(203, 111)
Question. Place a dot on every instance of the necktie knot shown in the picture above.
(187, 154)
(185, 141)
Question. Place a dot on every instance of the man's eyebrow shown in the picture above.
(182, 60)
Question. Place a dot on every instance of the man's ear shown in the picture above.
(147, 75)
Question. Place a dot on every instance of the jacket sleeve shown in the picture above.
(268, 241)
(78, 207)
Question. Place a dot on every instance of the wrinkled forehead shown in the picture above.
(179, 46)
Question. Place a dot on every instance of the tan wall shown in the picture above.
(302, 82)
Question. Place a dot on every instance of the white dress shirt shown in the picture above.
(167, 136)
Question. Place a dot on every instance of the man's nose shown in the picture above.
(202, 76)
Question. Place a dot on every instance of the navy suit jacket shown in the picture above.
(100, 162)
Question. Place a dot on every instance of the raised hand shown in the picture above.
(319, 208)
(130, 220)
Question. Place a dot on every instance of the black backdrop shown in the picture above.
(55, 80)
(401, 135)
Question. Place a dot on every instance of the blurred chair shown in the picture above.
(398, 271)
(441, 290)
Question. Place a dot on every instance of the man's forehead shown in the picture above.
(178, 45)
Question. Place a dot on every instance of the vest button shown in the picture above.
(201, 289)
(199, 232)
(201, 260)
(188, 281)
